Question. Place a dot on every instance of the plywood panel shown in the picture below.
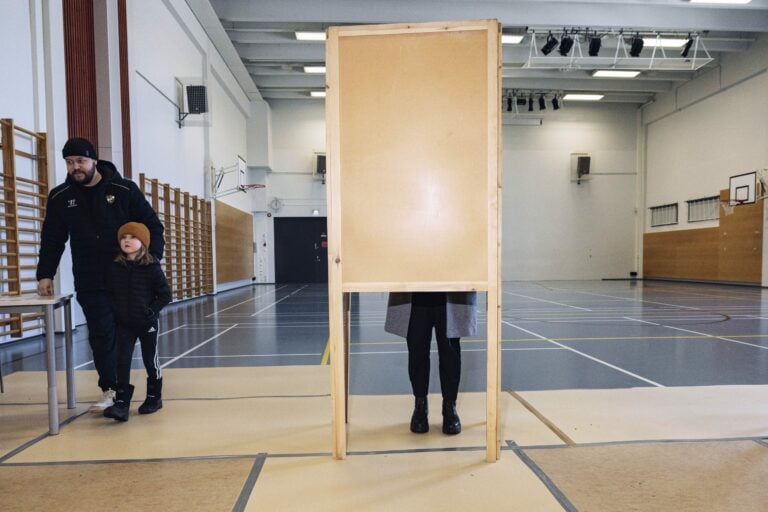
(731, 252)
(414, 157)
(234, 244)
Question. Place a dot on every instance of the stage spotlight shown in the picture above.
(530, 103)
(594, 46)
(636, 45)
(542, 103)
(509, 103)
(686, 48)
(549, 45)
(555, 104)
(566, 43)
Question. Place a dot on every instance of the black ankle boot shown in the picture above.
(122, 407)
(154, 401)
(419, 420)
(451, 421)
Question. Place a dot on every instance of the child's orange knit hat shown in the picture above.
(137, 229)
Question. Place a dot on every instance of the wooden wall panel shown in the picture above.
(234, 244)
(80, 66)
(731, 252)
(423, 149)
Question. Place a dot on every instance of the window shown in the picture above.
(705, 208)
(663, 215)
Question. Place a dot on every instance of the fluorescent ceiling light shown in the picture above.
(314, 69)
(664, 42)
(511, 39)
(615, 73)
(583, 97)
(317, 94)
(310, 36)
(720, 1)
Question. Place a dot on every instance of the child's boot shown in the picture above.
(154, 401)
(120, 410)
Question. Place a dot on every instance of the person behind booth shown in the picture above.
(87, 209)
(138, 291)
(413, 316)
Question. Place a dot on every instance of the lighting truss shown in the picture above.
(659, 59)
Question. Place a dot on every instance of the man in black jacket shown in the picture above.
(88, 209)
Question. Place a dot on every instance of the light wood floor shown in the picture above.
(259, 439)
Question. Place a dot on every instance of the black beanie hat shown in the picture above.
(77, 146)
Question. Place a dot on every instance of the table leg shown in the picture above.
(50, 349)
(69, 350)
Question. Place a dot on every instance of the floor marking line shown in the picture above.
(705, 335)
(326, 353)
(546, 421)
(196, 347)
(434, 350)
(281, 300)
(243, 302)
(544, 478)
(609, 365)
(636, 300)
(547, 301)
(250, 483)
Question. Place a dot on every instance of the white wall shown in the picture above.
(167, 42)
(707, 130)
(32, 36)
(553, 228)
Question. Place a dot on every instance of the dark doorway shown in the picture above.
(301, 250)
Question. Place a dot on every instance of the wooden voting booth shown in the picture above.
(412, 118)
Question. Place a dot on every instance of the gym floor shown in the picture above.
(616, 395)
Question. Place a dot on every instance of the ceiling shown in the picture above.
(257, 39)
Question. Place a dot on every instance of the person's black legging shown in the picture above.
(423, 320)
(126, 339)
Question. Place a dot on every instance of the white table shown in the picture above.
(34, 303)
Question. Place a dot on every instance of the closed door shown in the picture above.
(301, 250)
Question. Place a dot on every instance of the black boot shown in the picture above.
(122, 406)
(154, 401)
(419, 420)
(451, 421)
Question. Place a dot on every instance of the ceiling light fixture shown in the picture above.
(549, 45)
(663, 42)
(555, 103)
(511, 39)
(583, 97)
(719, 1)
(310, 36)
(542, 103)
(509, 103)
(614, 73)
(687, 48)
(636, 45)
(595, 42)
(530, 103)
(314, 69)
(317, 94)
(566, 43)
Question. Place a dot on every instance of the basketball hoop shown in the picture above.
(729, 205)
(251, 186)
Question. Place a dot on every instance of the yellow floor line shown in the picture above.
(559, 433)
(326, 353)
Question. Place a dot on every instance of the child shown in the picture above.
(138, 290)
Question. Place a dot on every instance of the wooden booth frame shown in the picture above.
(413, 115)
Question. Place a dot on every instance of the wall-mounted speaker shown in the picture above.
(197, 99)
(581, 164)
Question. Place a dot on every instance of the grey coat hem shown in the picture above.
(461, 314)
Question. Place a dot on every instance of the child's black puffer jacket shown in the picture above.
(138, 292)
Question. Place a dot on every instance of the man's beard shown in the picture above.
(89, 175)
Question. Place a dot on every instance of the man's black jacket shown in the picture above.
(93, 232)
(137, 292)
